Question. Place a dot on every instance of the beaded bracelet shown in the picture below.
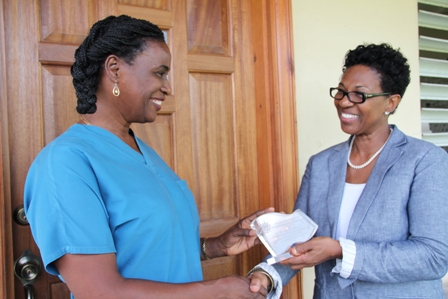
(203, 249)
(271, 288)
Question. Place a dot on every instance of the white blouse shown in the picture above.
(352, 192)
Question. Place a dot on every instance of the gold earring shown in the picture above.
(116, 90)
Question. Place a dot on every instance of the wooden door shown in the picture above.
(228, 128)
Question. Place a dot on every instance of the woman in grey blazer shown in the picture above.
(380, 198)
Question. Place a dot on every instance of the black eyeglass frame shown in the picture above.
(365, 96)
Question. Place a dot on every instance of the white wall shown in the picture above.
(324, 30)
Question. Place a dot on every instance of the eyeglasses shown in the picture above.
(356, 97)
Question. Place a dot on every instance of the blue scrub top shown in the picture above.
(88, 192)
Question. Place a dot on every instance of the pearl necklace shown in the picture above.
(371, 158)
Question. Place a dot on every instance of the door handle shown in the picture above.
(26, 268)
(19, 216)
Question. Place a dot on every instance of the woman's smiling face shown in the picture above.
(362, 118)
(145, 83)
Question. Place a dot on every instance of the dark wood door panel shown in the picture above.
(220, 130)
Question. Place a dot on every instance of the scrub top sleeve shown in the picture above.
(64, 206)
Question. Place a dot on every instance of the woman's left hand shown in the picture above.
(238, 238)
(313, 252)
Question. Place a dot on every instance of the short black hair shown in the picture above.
(389, 63)
(123, 36)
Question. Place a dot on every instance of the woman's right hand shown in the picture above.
(258, 280)
(237, 287)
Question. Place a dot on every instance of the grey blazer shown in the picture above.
(399, 225)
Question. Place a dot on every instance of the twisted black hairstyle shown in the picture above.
(390, 64)
(123, 36)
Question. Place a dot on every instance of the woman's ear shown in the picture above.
(112, 67)
(394, 100)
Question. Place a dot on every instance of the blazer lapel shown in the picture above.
(391, 153)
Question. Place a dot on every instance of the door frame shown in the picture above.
(6, 255)
(276, 110)
(276, 125)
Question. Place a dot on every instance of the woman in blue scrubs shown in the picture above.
(109, 216)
